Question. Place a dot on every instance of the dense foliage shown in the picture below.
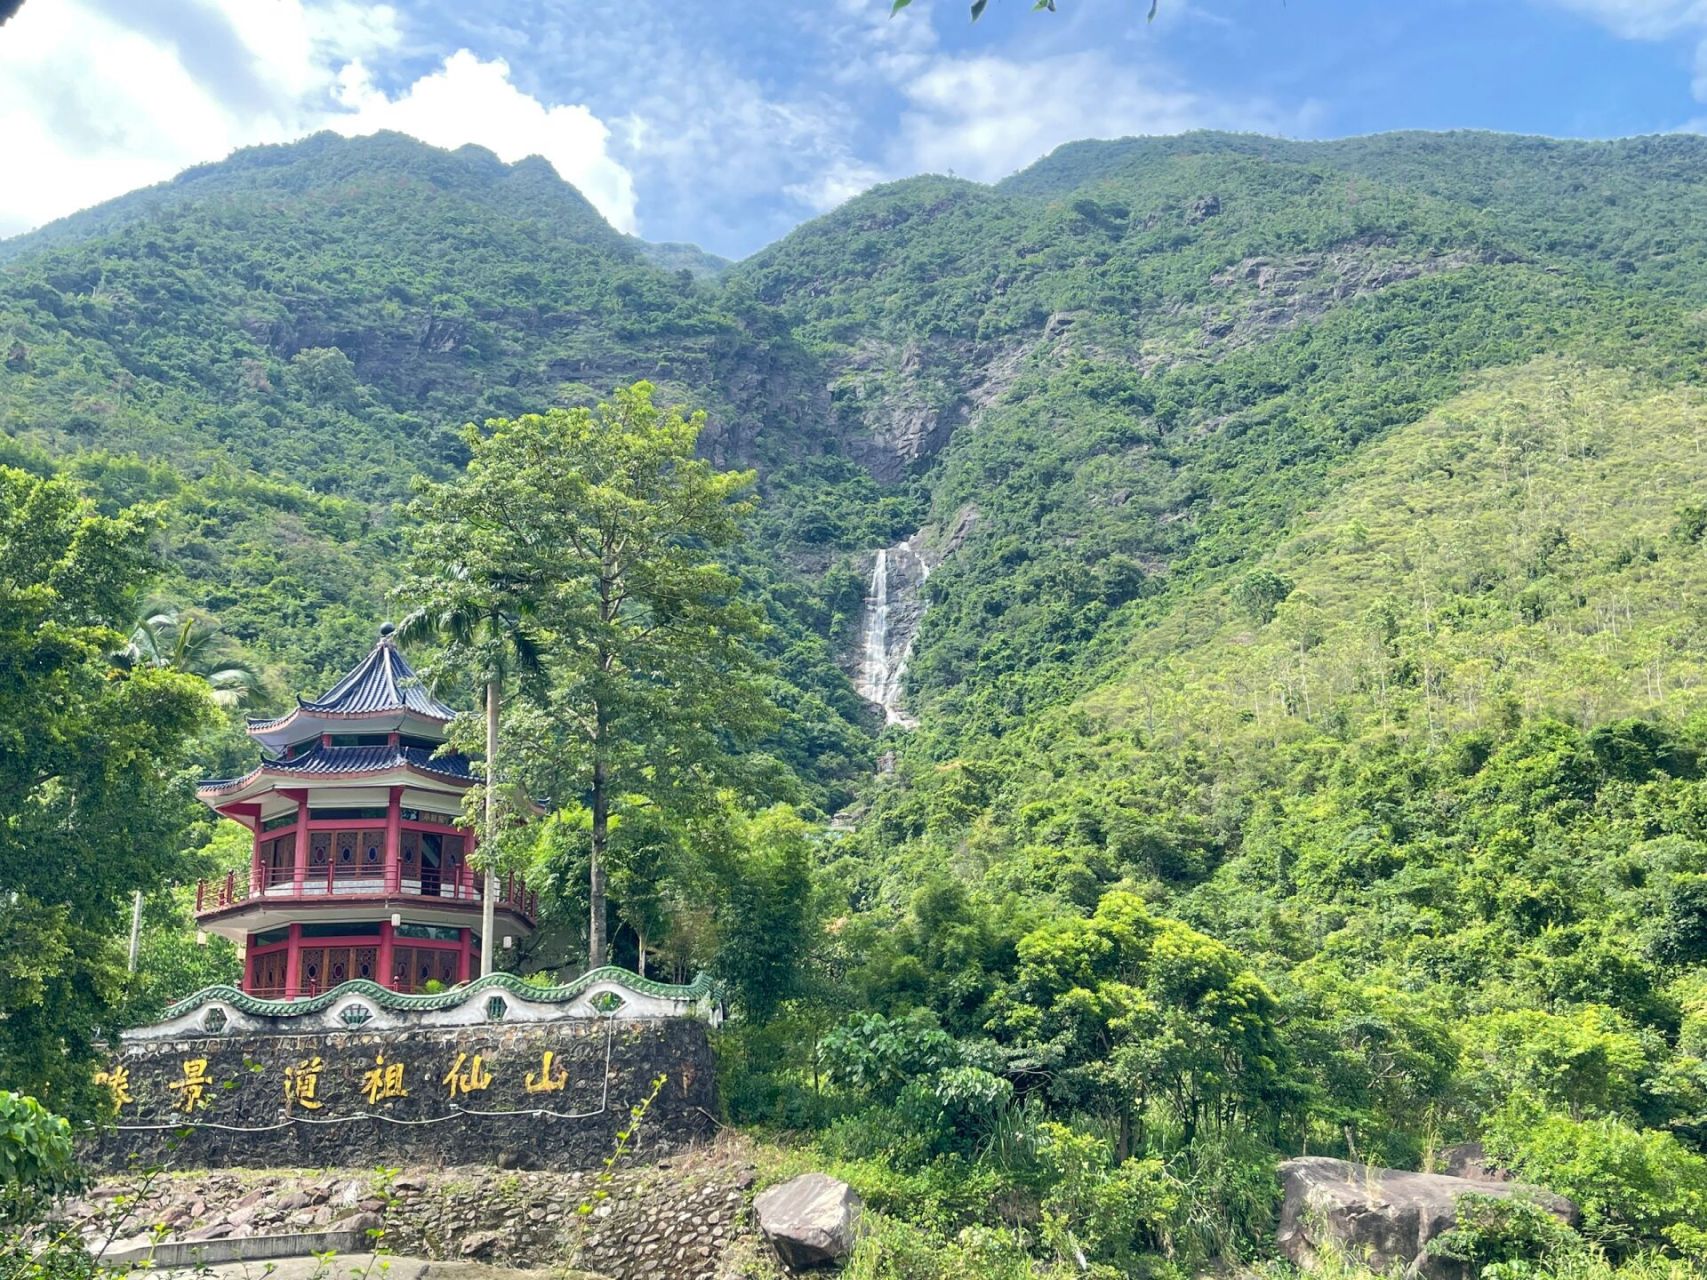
(1312, 711)
(93, 799)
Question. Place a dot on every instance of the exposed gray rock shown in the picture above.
(1382, 1216)
(1470, 1160)
(811, 1221)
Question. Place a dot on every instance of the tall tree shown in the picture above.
(611, 527)
(480, 615)
(94, 804)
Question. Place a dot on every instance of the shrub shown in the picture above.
(35, 1157)
(1493, 1229)
(1635, 1187)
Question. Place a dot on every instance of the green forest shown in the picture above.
(1307, 721)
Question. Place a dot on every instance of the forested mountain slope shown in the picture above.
(1316, 548)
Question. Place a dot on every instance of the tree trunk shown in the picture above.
(596, 875)
(489, 894)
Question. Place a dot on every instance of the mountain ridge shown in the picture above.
(1310, 645)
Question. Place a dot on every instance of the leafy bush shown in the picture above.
(1495, 1229)
(1635, 1187)
(35, 1157)
(879, 1056)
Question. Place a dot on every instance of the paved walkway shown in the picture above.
(364, 1266)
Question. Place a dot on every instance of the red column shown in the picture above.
(386, 938)
(471, 848)
(293, 964)
(255, 881)
(394, 842)
(465, 961)
(299, 866)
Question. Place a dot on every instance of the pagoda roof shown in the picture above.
(323, 762)
(381, 683)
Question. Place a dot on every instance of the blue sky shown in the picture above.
(727, 122)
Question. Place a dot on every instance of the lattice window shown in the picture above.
(319, 849)
(367, 962)
(338, 968)
(607, 1002)
(354, 1015)
(270, 973)
(411, 851)
(345, 849)
(445, 970)
(496, 1008)
(313, 968)
(214, 1022)
(373, 850)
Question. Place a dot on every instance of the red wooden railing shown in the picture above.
(464, 886)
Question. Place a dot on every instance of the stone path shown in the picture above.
(363, 1266)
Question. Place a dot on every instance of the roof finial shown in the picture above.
(386, 631)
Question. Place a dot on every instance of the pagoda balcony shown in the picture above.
(350, 884)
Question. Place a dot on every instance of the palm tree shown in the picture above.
(484, 626)
(186, 641)
(189, 641)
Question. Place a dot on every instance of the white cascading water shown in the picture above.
(894, 603)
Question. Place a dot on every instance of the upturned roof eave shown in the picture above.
(299, 723)
(267, 777)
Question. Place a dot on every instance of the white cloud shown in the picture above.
(838, 182)
(99, 97)
(1653, 20)
(1641, 19)
(470, 100)
(985, 117)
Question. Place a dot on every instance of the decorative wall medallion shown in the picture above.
(214, 1021)
(354, 1015)
(496, 1008)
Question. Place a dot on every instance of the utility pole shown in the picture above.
(135, 929)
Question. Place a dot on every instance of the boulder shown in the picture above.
(1380, 1217)
(811, 1221)
(1470, 1160)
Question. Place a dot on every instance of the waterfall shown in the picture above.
(894, 603)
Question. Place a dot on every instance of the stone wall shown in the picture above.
(411, 1097)
(687, 1217)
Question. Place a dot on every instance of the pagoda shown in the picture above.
(358, 869)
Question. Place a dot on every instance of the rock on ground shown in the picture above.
(1382, 1216)
(811, 1221)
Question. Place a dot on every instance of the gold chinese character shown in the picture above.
(192, 1087)
(385, 1080)
(302, 1085)
(474, 1080)
(118, 1081)
(544, 1081)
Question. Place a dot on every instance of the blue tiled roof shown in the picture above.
(320, 762)
(326, 760)
(382, 681)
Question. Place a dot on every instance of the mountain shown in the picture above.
(276, 345)
(1117, 375)
(1302, 540)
